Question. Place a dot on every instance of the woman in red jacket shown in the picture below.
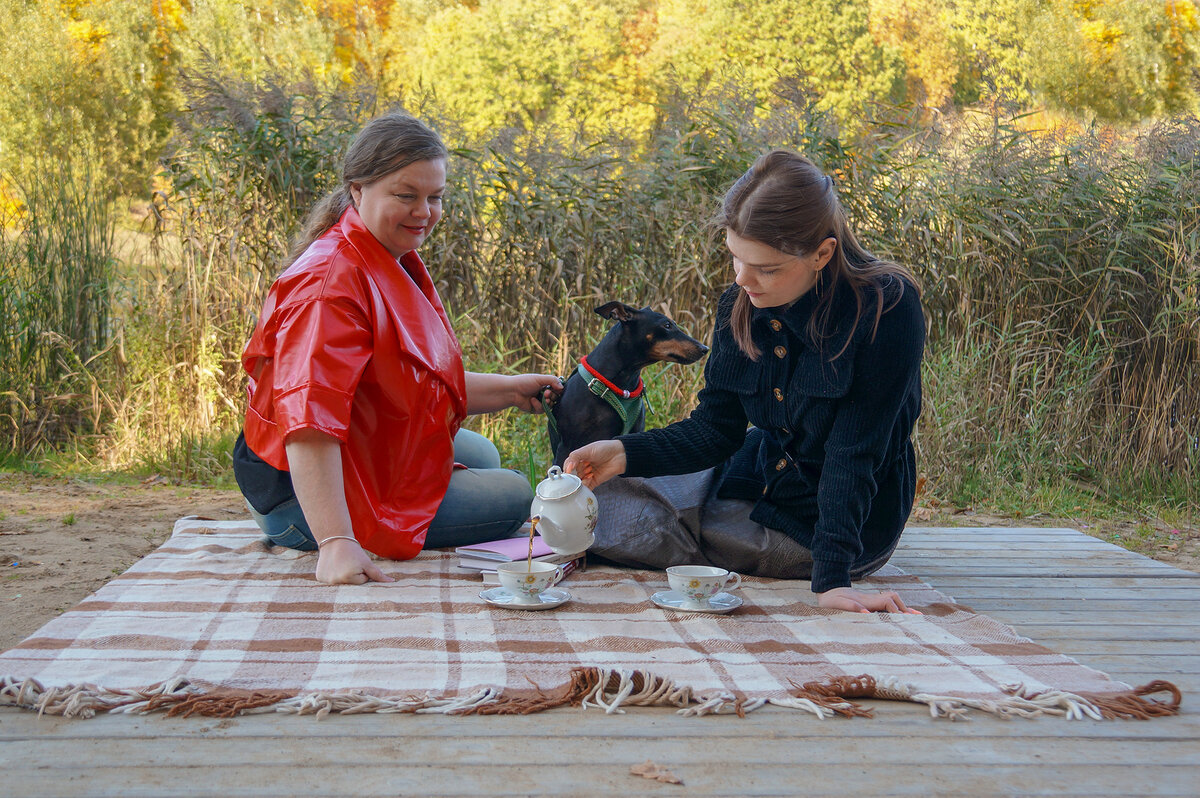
(352, 439)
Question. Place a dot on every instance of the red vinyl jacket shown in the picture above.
(358, 346)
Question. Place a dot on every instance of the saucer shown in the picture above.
(673, 600)
(551, 597)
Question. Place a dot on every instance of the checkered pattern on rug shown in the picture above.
(216, 607)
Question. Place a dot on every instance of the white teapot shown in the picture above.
(566, 512)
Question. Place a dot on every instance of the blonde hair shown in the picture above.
(385, 144)
(786, 202)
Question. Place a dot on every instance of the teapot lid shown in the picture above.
(557, 484)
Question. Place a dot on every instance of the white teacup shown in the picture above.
(526, 582)
(699, 583)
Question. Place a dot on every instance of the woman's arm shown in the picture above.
(873, 418)
(315, 460)
(487, 393)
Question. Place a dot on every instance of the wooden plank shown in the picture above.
(1160, 665)
(1038, 615)
(893, 719)
(1010, 570)
(1128, 632)
(1175, 591)
(1111, 606)
(1120, 584)
(989, 544)
(573, 751)
(997, 531)
(1032, 557)
(321, 774)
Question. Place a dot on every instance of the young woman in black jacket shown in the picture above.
(797, 461)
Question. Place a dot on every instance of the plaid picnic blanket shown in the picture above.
(215, 622)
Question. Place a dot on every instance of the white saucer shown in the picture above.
(718, 604)
(551, 597)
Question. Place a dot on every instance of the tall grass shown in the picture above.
(1061, 274)
(1062, 282)
(244, 167)
(56, 269)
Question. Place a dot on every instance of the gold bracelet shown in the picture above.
(321, 543)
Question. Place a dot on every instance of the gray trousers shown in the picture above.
(678, 520)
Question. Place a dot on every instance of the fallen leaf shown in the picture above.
(655, 772)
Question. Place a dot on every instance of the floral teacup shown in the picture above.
(699, 583)
(527, 582)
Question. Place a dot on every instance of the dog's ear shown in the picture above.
(617, 311)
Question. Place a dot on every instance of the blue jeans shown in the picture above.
(483, 502)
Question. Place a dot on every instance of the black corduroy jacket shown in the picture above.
(828, 459)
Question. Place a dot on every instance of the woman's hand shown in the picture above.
(487, 393)
(528, 390)
(343, 562)
(597, 462)
(316, 465)
(847, 598)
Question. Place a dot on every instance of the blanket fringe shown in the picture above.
(612, 689)
(824, 699)
(1131, 705)
(356, 703)
(217, 703)
(84, 700)
(607, 689)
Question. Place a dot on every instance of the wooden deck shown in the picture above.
(1132, 617)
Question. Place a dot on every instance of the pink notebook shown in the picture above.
(507, 550)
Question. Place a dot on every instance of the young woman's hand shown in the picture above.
(343, 562)
(597, 462)
(847, 598)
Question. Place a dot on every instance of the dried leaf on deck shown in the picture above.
(656, 772)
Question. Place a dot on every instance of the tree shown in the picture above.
(826, 45)
(92, 86)
(510, 63)
(932, 44)
(1116, 61)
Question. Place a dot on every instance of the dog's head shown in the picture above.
(652, 335)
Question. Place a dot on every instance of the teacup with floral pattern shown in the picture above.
(699, 583)
(526, 582)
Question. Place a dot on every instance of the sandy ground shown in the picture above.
(61, 539)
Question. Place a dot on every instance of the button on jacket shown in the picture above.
(827, 457)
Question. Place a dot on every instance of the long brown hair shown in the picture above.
(785, 201)
(385, 144)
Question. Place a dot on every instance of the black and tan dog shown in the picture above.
(603, 397)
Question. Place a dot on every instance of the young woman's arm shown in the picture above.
(487, 393)
(874, 419)
(315, 460)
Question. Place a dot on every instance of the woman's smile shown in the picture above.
(402, 207)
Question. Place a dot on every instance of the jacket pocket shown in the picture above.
(815, 376)
(729, 370)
